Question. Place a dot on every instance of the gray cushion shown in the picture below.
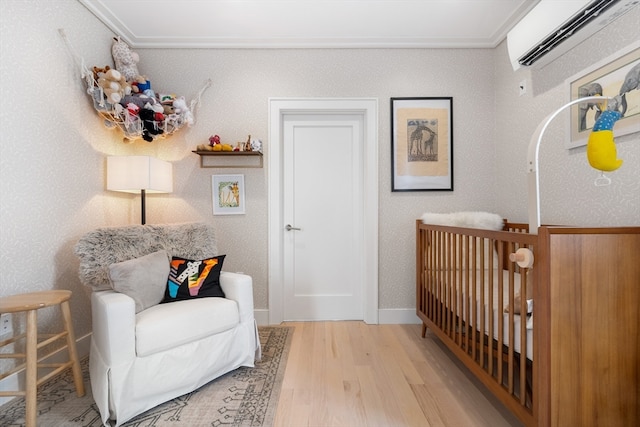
(144, 279)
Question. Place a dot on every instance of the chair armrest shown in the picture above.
(239, 287)
(114, 326)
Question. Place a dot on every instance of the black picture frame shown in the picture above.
(422, 144)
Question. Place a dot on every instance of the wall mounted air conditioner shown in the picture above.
(553, 27)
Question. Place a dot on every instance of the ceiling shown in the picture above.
(310, 23)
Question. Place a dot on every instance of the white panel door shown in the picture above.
(323, 193)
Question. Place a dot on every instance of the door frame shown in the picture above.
(278, 108)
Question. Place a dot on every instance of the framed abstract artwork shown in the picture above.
(422, 144)
(228, 194)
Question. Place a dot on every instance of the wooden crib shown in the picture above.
(568, 355)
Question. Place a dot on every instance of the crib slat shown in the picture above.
(457, 295)
(523, 337)
(482, 329)
(511, 291)
(467, 314)
(474, 316)
(432, 251)
(490, 310)
(451, 273)
(502, 325)
(447, 284)
(439, 279)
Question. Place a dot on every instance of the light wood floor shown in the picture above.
(352, 374)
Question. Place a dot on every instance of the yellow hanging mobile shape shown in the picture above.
(601, 148)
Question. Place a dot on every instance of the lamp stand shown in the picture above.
(142, 206)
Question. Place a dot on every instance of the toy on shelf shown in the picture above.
(216, 145)
(125, 99)
(214, 142)
(247, 145)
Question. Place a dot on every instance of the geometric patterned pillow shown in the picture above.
(190, 279)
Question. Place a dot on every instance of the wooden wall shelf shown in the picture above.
(230, 159)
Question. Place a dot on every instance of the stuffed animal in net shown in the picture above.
(150, 124)
(181, 108)
(99, 71)
(114, 85)
(142, 100)
(601, 149)
(125, 59)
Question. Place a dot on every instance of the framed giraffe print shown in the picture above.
(228, 194)
(422, 144)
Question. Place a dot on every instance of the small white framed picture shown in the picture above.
(228, 194)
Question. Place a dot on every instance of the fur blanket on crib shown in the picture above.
(484, 220)
(105, 246)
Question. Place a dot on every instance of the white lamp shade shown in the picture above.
(130, 174)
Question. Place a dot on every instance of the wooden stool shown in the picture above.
(31, 303)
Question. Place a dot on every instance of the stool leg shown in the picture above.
(31, 390)
(71, 346)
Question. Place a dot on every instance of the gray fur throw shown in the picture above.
(104, 246)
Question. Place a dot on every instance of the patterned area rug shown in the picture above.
(246, 397)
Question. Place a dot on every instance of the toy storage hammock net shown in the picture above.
(116, 115)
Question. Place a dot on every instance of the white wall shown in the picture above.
(53, 145)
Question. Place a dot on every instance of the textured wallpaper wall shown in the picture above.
(54, 146)
(568, 195)
(237, 105)
(51, 152)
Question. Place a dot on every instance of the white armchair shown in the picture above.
(139, 360)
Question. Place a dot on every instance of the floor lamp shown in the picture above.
(532, 161)
(139, 174)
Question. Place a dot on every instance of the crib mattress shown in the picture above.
(489, 279)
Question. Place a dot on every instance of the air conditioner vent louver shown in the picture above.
(576, 23)
(553, 27)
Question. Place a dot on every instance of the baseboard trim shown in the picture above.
(262, 316)
(388, 316)
(17, 380)
(398, 316)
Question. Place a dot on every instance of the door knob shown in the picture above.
(288, 227)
